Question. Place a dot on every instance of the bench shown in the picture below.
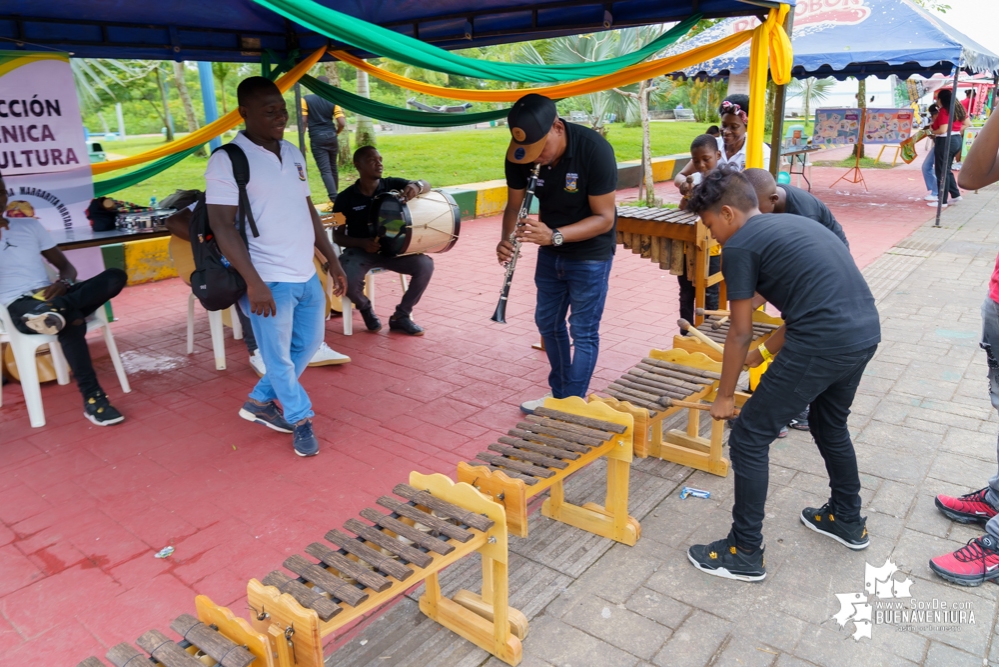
(433, 523)
(215, 637)
(543, 450)
(683, 114)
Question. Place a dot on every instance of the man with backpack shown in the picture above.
(284, 297)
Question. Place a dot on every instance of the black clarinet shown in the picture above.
(525, 208)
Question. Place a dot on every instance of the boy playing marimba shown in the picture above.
(831, 331)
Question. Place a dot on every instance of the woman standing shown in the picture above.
(944, 149)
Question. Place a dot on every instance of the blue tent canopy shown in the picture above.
(858, 38)
(239, 30)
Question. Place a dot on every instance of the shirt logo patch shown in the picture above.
(301, 171)
(570, 182)
(519, 154)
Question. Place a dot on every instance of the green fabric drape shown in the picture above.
(391, 114)
(109, 185)
(390, 44)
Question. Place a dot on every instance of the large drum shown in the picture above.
(428, 223)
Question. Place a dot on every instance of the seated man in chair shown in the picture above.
(361, 248)
(38, 305)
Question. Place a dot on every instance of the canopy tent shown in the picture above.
(240, 30)
(842, 38)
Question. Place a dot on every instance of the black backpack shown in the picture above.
(217, 284)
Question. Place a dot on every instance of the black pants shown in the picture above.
(827, 385)
(78, 303)
(356, 263)
(687, 292)
(325, 149)
(944, 153)
(248, 337)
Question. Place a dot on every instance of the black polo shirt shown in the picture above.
(588, 168)
(804, 203)
(808, 273)
(354, 205)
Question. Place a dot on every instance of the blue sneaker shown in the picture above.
(305, 440)
(268, 414)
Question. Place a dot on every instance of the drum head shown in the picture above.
(392, 223)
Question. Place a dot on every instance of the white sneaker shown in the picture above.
(934, 204)
(930, 197)
(954, 200)
(528, 407)
(327, 356)
(257, 363)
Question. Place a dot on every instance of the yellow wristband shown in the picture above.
(765, 353)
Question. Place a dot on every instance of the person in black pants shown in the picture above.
(326, 121)
(944, 149)
(37, 305)
(831, 331)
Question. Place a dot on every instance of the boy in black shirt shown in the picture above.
(831, 331)
(361, 248)
(784, 198)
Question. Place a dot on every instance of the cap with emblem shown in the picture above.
(530, 120)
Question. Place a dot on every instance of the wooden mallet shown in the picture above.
(673, 403)
(717, 324)
(686, 326)
(702, 312)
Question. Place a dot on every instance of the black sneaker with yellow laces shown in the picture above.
(98, 409)
(723, 559)
(851, 534)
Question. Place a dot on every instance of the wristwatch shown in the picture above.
(557, 238)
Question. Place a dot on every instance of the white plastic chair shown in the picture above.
(25, 346)
(215, 325)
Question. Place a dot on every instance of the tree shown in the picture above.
(934, 5)
(185, 99)
(858, 149)
(221, 72)
(93, 76)
(344, 155)
(165, 99)
(365, 129)
(810, 90)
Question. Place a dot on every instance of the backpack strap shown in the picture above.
(241, 172)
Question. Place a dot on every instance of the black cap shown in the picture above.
(530, 120)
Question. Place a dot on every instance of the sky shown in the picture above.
(972, 18)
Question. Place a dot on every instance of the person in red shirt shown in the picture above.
(978, 561)
(944, 149)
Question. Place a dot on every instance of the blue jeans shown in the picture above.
(579, 285)
(287, 340)
(930, 174)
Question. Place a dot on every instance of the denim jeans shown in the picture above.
(687, 291)
(79, 302)
(930, 174)
(356, 263)
(287, 340)
(944, 153)
(827, 385)
(990, 341)
(325, 149)
(577, 287)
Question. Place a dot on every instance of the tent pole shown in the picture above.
(777, 136)
(208, 100)
(942, 176)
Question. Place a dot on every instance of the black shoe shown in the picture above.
(850, 534)
(44, 319)
(800, 423)
(99, 410)
(405, 324)
(304, 439)
(722, 559)
(371, 320)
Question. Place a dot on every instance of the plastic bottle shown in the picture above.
(152, 202)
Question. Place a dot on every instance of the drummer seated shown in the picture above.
(361, 247)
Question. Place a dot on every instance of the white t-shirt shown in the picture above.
(739, 159)
(277, 191)
(22, 267)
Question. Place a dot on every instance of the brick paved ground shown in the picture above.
(83, 509)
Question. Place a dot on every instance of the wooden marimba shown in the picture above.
(675, 240)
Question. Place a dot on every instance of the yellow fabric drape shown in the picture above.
(770, 39)
(210, 131)
(624, 77)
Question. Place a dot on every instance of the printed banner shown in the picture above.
(59, 200)
(836, 127)
(887, 126)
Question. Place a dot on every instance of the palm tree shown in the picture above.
(92, 76)
(810, 90)
(365, 129)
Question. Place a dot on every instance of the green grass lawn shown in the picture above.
(442, 158)
(865, 163)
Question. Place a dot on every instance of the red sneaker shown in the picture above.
(969, 508)
(972, 564)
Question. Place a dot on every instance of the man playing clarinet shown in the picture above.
(575, 191)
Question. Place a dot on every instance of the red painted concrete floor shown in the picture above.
(83, 509)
